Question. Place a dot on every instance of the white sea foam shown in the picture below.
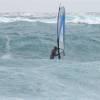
(47, 18)
(9, 20)
(86, 19)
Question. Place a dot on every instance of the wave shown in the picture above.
(17, 19)
(84, 19)
(70, 18)
(6, 56)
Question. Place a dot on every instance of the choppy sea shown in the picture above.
(27, 73)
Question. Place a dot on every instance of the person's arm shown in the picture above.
(60, 53)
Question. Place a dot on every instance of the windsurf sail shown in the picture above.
(61, 31)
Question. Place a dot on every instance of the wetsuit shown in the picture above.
(53, 54)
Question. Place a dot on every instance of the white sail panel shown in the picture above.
(61, 28)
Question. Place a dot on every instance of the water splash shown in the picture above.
(7, 55)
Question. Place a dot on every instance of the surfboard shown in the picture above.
(61, 32)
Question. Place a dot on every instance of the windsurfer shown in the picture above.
(54, 52)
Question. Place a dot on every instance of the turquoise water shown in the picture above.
(34, 40)
(27, 73)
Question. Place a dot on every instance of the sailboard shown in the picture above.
(61, 32)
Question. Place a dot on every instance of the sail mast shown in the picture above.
(58, 34)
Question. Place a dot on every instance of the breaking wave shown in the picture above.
(9, 20)
(85, 19)
(70, 18)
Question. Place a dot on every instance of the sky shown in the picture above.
(49, 6)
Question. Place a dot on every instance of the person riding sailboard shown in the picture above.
(59, 49)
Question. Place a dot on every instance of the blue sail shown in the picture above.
(61, 30)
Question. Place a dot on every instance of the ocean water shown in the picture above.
(27, 73)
